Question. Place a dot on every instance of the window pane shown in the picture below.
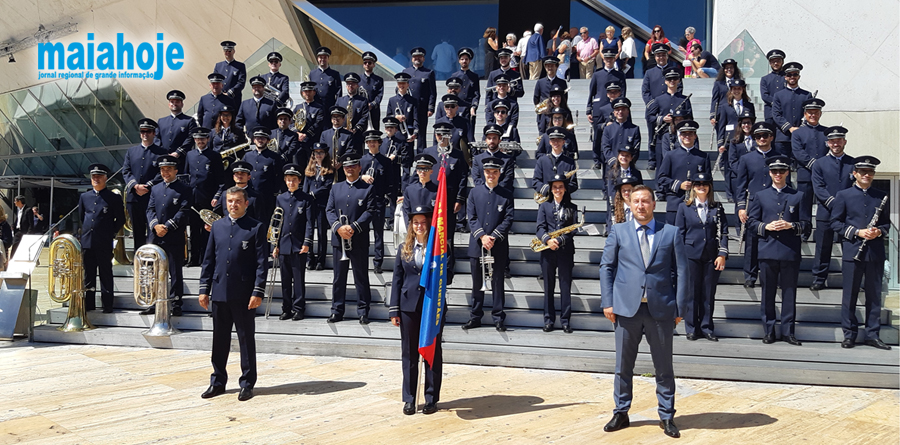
(27, 128)
(59, 139)
(51, 97)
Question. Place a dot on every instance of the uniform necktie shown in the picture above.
(420, 258)
(645, 245)
(702, 209)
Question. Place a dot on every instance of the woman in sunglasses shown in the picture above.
(657, 36)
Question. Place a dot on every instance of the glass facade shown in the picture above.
(746, 52)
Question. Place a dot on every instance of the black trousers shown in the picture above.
(319, 249)
(359, 259)
(293, 282)
(775, 274)
(422, 125)
(176, 267)
(807, 202)
(378, 231)
(98, 260)
(751, 255)
(651, 149)
(563, 261)
(410, 323)
(137, 212)
(699, 309)
(225, 315)
(853, 273)
(824, 237)
(374, 118)
(500, 253)
(265, 206)
(199, 237)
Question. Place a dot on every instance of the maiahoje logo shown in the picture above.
(122, 60)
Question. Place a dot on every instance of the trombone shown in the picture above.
(346, 244)
(273, 236)
(487, 268)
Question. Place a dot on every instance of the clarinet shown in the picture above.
(719, 212)
(871, 224)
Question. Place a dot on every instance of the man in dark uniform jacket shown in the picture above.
(102, 215)
(787, 107)
(504, 95)
(211, 104)
(459, 136)
(141, 172)
(167, 217)
(206, 173)
(360, 105)
(515, 79)
(423, 89)
(351, 205)
(422, 191)
(267, 167)
(403, 107)
(375, 170)
(544, 85)
(339, 140)
(674, 177)
(604, 75)
(174, 133)
(277, 81)
(286, 142)
(621, 132)
(601, 116)
(234, 73)
(373, 84)
(660, 112)
(502, 114)
(557, 162)
(807, 146)
(454, 86)
(234, 273)
(833, 173)
(654, 81)
(294, 243)
(556, 117)
(258, 110)
(470, 90)
(777, 217)
(492, 135)
(328, 81)
(400, 152)
(316, 118)
(241, 177)
(490, 210)
(772, 83)
(862, 243)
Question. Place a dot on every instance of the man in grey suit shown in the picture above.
(646, 252)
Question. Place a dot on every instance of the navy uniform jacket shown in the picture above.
(254, 113)
(491, 213)
(206, 174)
(102, 215)
(738, 149)
(355, 201)
(770, 205)
(407, 106)
(632, 172)
(374, 86)
(677, 167)
(457, 173)
(769, 85)
(461, 130)
(345, 142)
(266, 176)
(509, 133)
(602, 114)
(543, 86)
(319, 187)
(516, 89)
(787, 111)
(287, 145)
(360, 119)
(221, 205)
(462, 110)
(398, 145)
(719, 93)
(616, 136)
(296, 227)
(422, 88)
(169, 204)
(597, 93)
(512, 115)
(808, 144)
(140, 167)
(544, 120)
(328, 86)
(235, 78)
(549, 166)
(665, 104)
(507, 172)
(405, 290)
(316, 120)
(654, 83)
(381, 167)
(227, 138)
(829, 176)
(570, 145)
(471, 87)
(416, 194)
(853, 210)
(551, 219)
(752, 175)
(174, 133)
(281, 83)
(728, 116)
(234, 266)
(209, 106)
(700, 236)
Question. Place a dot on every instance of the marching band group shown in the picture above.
(248, 160)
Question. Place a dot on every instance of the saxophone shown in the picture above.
(538, 246)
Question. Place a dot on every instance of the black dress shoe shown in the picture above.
(618, 421)
(409, 409)
(429, 408)
(769, 339)
(793, 341)
(245, 394)
(364, 319)
(692, 336)
(109, 310)
(501, 327)
(299, 315)
(749, 284)
(471, 324)
(669, 428)
(568, 329)
(378, 269)
(848, 343)
(711, 337)
(334, 318)
(507, 275)
(651, 167)
(597, 166)
(311, 266)
(817, 286)
(548, 327)
(177, 312)
(213, 391)
(284, 316)
(148, 311)
(877, 343)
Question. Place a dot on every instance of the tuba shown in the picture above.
(151, 287)
(67, 282)
(273, 236)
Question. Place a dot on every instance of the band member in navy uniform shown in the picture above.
(294, 243)
(557, 102)
(422, 192)
(470, 91)
(862, 241)
(544, 85)
(277, 81)
(399, 151)
(241, 177)
(502, 115)
(654, 80)
(459, 136)
(621, 132)
(625, 168)
(234, 73)
(515, 79)
(807, 146)
(328, 81)
(557, 162)
(832, 174)
(234, 275)
(558, 120)
(772, 83)
(732, 107)
(141, 172)
(338, 140)
(375, 170)
(405, 310)
(286, 141)
(374, 86)
(206, 173)
(502, 94)
(457, 181)
(787, 107)
(740, 144)
(351, 205)
(316, 116)
(454, 86)
(492, 134)
(403, 107)
(267, 166)
(258, 110)
(674, 177)
(360, 105)
(211, 104)
(319, 177)
(622, 199)
(601, 116)
(553, 215)
(423, 90)
(725, 77)
(703, 227)
(174, 133)
(167, 217)
(601, 78)
(777, 217)
(226, 133)
(102, 215)
(660, 111)
(490, 210)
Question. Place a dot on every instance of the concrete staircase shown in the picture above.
(738, 356)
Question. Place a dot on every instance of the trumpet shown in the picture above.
(403, 127)
(538, 246)
(273, 236)
(67, 282)
(151, 287)
(487, 268)
(346, 244)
